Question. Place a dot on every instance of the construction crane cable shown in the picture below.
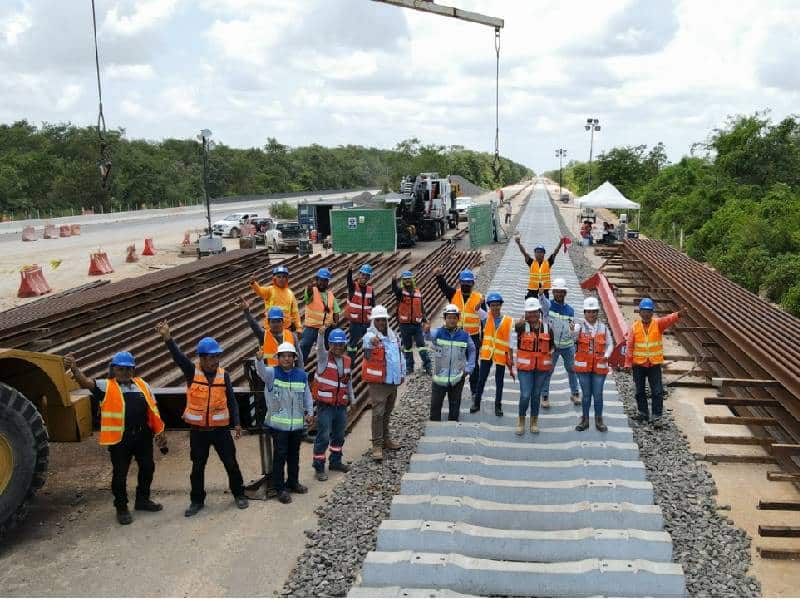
(105, 150)
(496, 165)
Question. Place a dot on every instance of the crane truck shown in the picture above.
(427, 205)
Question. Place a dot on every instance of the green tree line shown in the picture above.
(736, 197)
(52, 170)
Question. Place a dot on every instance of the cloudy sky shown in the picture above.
(358, 72)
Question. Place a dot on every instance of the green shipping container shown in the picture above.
(363, 230)
(480, 226)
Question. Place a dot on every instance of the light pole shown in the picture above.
(206, 144)
(560, 154)
(592, 125)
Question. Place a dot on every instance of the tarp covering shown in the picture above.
(606, 196)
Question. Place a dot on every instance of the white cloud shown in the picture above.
(132, 17)
(130, 72)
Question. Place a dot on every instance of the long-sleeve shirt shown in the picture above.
(398, 293)
(322, 363)
(559, 322)
(187, 366)
(448, 292)
(395, 366)
(662, 323)
(272, 294)
(351, 288)
(267, 375)
(258, 332)
(471, 350)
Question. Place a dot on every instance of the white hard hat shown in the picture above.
(286, 347)
(591, 303)
(532, 304)
(379, 312)
(559, 283)
(451, 309)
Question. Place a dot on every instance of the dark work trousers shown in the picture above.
(651, 374)
(331, 425)
(410, 334)
(136, 443)
(453, 393)
(473, 377)
(200, 443)
(285, 455)
(535, 294)
(499, 372)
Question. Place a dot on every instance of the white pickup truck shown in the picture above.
(231, 225)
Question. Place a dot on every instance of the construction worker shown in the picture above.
(534, 362)
(129, 419)
(289, 408)
(495, 350)
(411, 316)
(539, 275)
(321, 310)
(645, 353)
(454, 359)
(593, 348)
(279, 294)
(383, 370)
(361, 299)
(333, 393)
(272, 337)
(561, 318)
(210, 409)
(471, 307)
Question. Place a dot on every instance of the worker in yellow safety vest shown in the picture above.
(280, 295)
(495, 350)
(539, 268)
(321, 310)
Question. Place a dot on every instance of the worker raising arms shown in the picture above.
(321, 310)
(361, 299)
(539, 275)
(279, 295)
(273, 336)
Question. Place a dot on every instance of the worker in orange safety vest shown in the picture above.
(495, 350)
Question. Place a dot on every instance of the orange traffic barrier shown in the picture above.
(64, 231)
(99, 264)
(75, 229)
(33, 282)
(28, 234)
(49, 231)
(186, 240)
(149, 249)
(131, 256)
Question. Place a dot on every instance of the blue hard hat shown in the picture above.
(406, 275)
(493, 297)
(123, 359)
(324, 273)
(337, 336)
(466, 276)
(647, 304)
(539, 248)
(208, 345)
(365, 270)
(275, 314)
(280, 270)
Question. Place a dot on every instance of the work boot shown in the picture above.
(284, 497)
(341, 467)
(147, 505)
(321, 476)
(658, 422)
(193, 509)
(124, 516)
(576, 399)
(520, 426)
(428, 370)
(599, 425)
(388, 444)
(377, 453)
(476, 404)
(545, 402)
(241, 502)
(583, 425)
(498, 410)
(297, 488)
(534, 424)
(641, 417)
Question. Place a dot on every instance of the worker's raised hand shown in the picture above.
(70, 362)
(517, 237)
(437, 271)
(253, 279)
(243, 304)
(163, 330)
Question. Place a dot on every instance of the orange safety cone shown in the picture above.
(186, 240)
(99, 264)
(33, 282)
(28, 234)
(64, 231)
(49, 231)
(149, 250)
(75, 229)
(132, 257)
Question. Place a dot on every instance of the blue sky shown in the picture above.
(355, 71)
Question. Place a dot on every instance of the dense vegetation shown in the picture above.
(52, 170)
(736, 197)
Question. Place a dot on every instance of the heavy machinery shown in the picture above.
(427, 203)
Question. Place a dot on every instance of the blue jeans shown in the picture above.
(568, 354)
(355, 332)
(592, 389)
(307, 341)
(331, 423)
(410, 334)
(651, 374)
(499, 372)
(530, 389)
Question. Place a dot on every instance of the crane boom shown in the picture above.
(446, 11)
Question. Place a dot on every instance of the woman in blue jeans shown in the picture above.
(534, 362)
(594, 346)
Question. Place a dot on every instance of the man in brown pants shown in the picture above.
(383, 369)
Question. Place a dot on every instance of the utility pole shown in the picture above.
(560, 153)
(204, 137)
(592, 125)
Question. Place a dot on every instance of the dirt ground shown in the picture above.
(740, 486)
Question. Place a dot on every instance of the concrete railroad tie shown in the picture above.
(482, 511)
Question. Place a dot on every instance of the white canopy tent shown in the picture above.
(608, 196)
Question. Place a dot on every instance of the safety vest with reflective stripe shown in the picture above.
(539, 274)
(270, 346)
(283, 298)
(207, 403)
(112, 412)
(373, 368)
(533, 349)
(450, 357)
(409, 309)
(316, 316)
(647, 344)
(359, 307)
(562, 329)
(329, 386)
(590, 355)
(495, 345)
(470, 320)
(285, 402)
